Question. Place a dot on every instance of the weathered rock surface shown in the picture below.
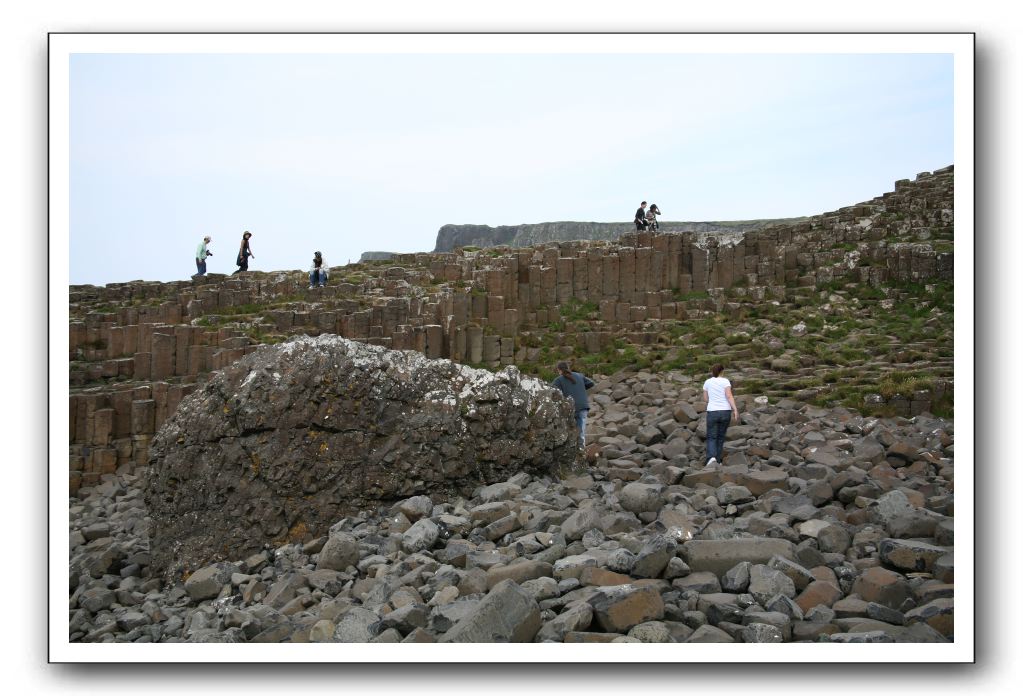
(287, 440)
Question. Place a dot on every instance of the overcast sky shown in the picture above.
(348, 153)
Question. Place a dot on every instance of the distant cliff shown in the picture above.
(451, 236)
(376, 256)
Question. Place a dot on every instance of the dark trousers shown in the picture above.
(200, 267)
(717, 426)
(244, 265)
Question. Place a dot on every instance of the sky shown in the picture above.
(346, 153)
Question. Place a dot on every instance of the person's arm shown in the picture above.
(706, 397)
(731, 400)
(587, 382)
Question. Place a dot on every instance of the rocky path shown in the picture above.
(821, 525)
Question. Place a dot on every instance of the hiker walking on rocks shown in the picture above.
(318, 271)
(717, 394)
(244, 252)
(640, 220)
(200, 256)
(574, 386)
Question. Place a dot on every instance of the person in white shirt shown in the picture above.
(318, 271)
(717, 394)
(651, 217)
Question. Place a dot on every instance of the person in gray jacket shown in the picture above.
(574, 386)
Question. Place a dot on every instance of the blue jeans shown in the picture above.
(200, 266)
(580, 422)
(317, 278)
(717, 425)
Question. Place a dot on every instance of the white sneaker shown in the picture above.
(311, 287)
(712, 462)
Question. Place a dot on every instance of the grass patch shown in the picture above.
(577, 310)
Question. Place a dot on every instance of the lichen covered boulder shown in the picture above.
(283, 443)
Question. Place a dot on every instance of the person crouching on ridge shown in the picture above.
(318, 271)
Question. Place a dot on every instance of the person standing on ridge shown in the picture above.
(244, 252)
(318, 271)
(717, 394)
(640, 219)
(651, 217)
(574, 386)
(200, 256)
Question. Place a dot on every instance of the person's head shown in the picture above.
(565, 370)
(207, 239)
(643, 204)
(317, 254)
(246, 235)
(653, 207)
(717, 370)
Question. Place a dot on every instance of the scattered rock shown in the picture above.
(805, 533)
(617, 609)
(339, 552)
(508, 614)
(207, 582)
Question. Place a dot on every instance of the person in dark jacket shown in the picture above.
(574, 386)
(244, 252)
(641, 223)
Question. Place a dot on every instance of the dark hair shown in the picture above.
(566, 373)
(716, 370)
(653, 206)
(643, 203)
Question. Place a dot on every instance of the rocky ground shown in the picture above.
(821, 525)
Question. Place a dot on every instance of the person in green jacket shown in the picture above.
(200, 256)
(574, 386)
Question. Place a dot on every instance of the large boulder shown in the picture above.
(284, 442)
